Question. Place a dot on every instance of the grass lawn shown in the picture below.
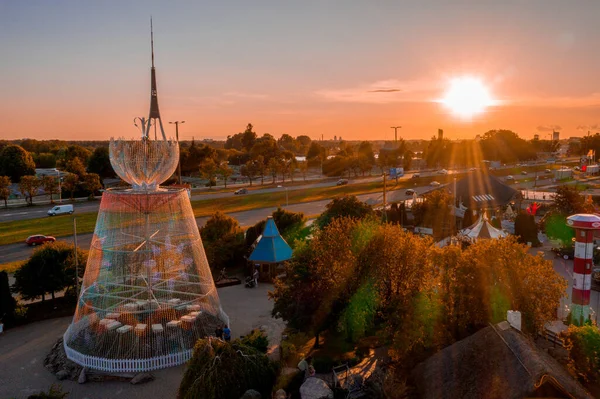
(11, 267)
(61, 226)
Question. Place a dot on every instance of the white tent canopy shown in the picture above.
(482, 229)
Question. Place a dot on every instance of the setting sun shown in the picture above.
(467, 97)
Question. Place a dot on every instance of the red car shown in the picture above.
(38, 240)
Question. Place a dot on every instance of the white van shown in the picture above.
(60, 210)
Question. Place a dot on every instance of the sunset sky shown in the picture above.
(79, 70)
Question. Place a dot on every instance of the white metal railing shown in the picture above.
(127, 365)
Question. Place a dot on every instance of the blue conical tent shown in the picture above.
(270, 246)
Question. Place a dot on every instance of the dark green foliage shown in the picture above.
(223, 241)
(55, 392)
(583, 344)
(257, 340)
(434, 212)
(220, 370)
(346, 206)
(526, 229)
(555, 226)
(288, 223)
(51, 268)
(16, 162)
(99, 163)
(7, 302)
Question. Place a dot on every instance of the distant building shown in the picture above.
(536, 136)
(555, 136)
(334, 138)
(440, 134)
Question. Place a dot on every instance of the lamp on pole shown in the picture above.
(396, 132)
(176, 123)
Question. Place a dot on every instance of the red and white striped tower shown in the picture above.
(584, 225)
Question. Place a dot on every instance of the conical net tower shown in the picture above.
(147, 294)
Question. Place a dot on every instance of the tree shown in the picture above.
(526, 229)
(45, 160)
(28, 186)
(76, 151)
(267, 147)
(315, 151)
(303, 166)
(321, 277)
(583, 344)
(70, 184)
(223, 241)
(346, 206)
(91, 183)
(75, 166)
(208, 170)
(50, 186)
(224, 171)
(274, 166)
(7, 302)
(248, 137)
(5, 189)
(220, 370)
(16, 162)
(51, 268)
(434, 212)
(261, 168)
(99, 163)
(250, 170)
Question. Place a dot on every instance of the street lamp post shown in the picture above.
(396, 132)
(176, 123)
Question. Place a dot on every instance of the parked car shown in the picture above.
(435, 183)
(416, 175)
(509, 177)
(577, 168)
(443, 172)
(524, 172)
(472, 169)
(548, 171)
(241, 191)
(410, 191)
(342, 182)
(60, 210)
(38, 240)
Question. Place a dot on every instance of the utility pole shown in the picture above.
(76, 261)
(176, 123)
(384, 198)
(396, 133)
(59, 186)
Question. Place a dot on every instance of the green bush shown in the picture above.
(256, 339)
(222, 370)
(583, 344)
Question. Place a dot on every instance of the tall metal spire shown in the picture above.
(154, 112)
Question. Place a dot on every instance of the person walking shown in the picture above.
(255, 276)
(227, 334)
(219, 332)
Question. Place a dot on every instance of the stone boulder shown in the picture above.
(280, 394)
(315, 388)
(251, 394)
(57, 363)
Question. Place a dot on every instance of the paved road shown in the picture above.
(15, 252)
(41, 211)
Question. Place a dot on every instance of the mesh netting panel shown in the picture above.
(148, 293)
